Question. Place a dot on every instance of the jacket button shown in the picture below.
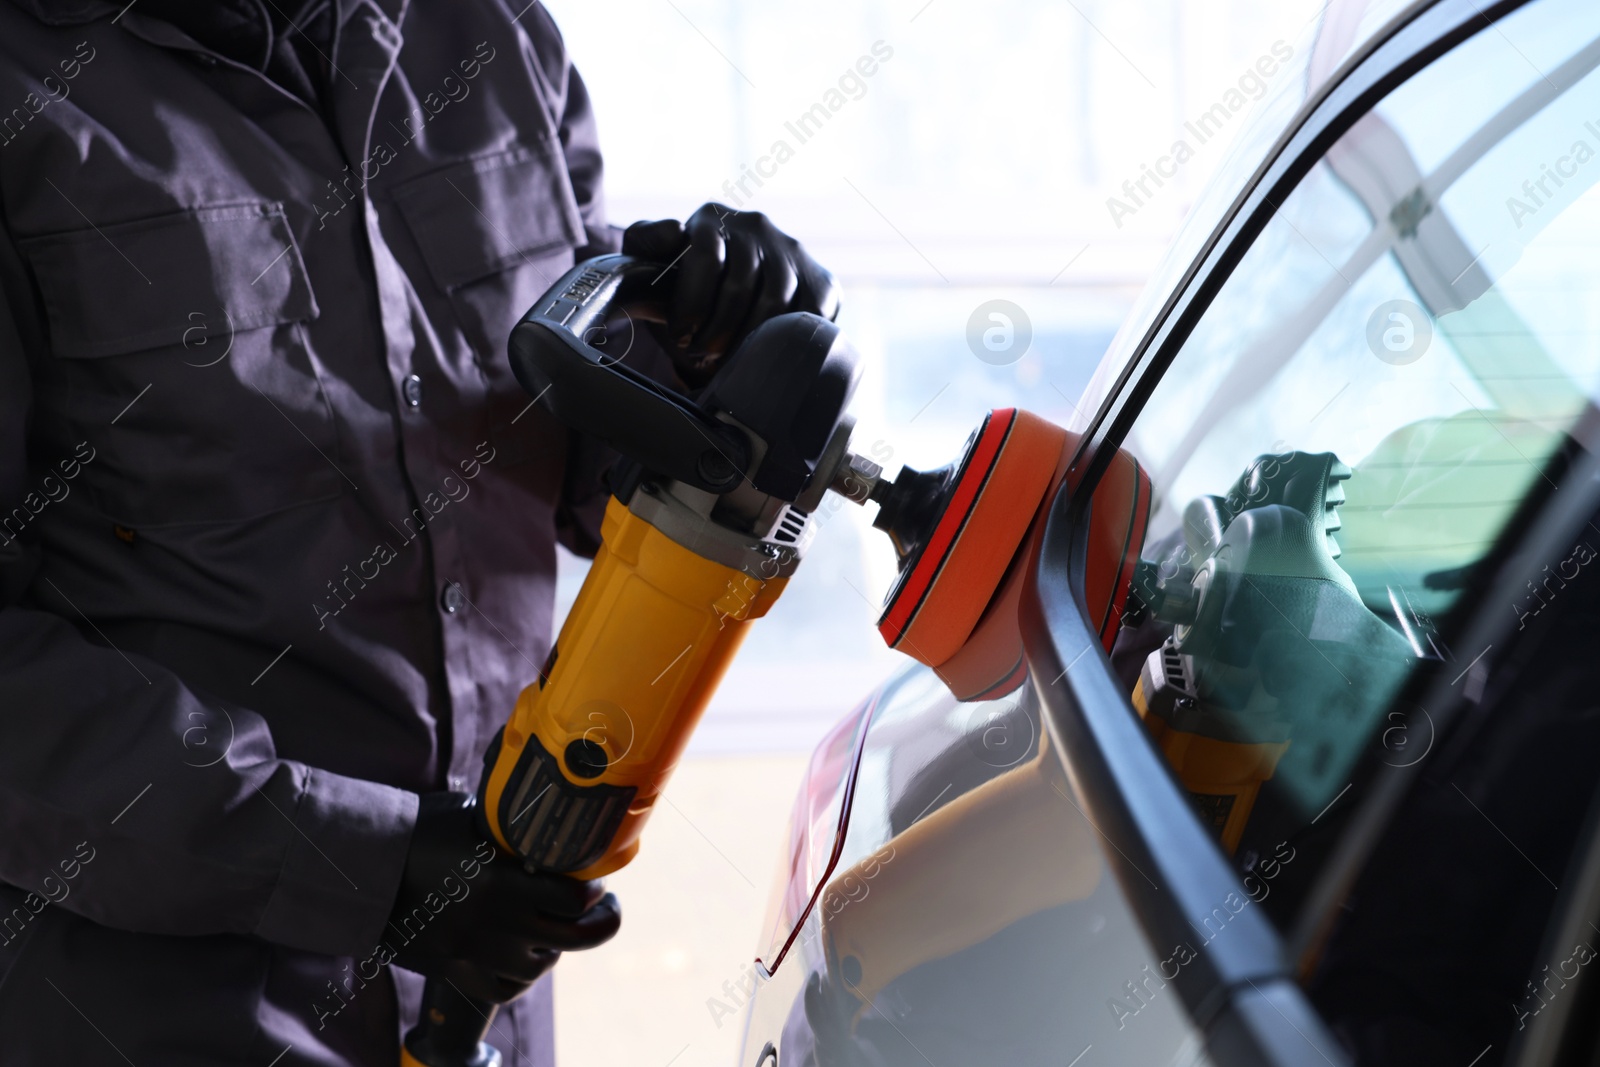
(412, 390)
(453, 598)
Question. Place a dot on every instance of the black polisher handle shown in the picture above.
(451, 1029)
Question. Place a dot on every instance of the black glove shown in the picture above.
(734, 270)
(467, 912)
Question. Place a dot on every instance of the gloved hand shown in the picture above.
(734, 270)
(468, 912)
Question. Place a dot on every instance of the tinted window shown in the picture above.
(1394, 367)
(1471, 930)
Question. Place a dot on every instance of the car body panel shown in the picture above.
(969, 919)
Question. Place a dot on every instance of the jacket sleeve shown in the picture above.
(128, 799)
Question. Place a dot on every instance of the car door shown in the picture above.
(1367, 412)
(943, 898)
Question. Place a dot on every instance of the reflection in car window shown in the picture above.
(1396, 363)
(969, 920)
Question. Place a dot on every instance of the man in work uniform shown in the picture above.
(277, 525)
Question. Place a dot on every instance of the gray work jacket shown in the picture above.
(277, 524)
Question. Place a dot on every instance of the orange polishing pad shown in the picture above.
(990, 663)
(1002, 480)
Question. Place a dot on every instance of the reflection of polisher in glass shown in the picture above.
(1271, 651)
(709, 518)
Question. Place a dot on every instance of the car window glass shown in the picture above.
(1314, 56)
(1433, 125)
(1501, 827)
(1392, 368)
(1268, 118)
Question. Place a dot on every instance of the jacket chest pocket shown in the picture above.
(495, 232)
(179, 354)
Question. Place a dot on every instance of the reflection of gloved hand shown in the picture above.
(470, 913)
(736, 271)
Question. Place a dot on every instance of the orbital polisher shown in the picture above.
(710, 516)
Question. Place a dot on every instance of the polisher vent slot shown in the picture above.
(1172, 663)
(1331, 523)
(790, 527)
